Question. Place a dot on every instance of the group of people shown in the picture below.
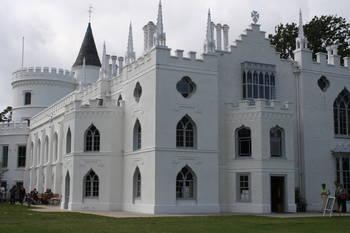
(17, 193)
(340, 195)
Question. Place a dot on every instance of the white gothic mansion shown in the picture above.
(235, 130)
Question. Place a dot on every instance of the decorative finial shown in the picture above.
(255, 16)
(90, 12)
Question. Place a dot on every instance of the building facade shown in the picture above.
(236, 130)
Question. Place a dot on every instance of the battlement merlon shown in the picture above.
(43, 73)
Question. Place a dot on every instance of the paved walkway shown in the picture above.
(125, 214)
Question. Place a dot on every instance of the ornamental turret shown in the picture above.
(88, 52)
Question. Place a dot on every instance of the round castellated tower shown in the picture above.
(34, 89)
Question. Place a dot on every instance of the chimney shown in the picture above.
(149, 30)
(108, 69)
(218, 36)
(114, 62)
(225, 29)
(120, 60)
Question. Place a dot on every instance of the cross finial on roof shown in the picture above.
(90, 12)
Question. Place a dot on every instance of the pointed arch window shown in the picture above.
(341, 111)
(92, 139)
(137, 135)
(137, 183)
(38, 153)
(32, 153)
(186, 133)
(244, 142)
(91, 184)
(68, 141)
(55, 147)
(186, 184)
(137, 92)
(276, 141)
(46, 149)
(120, 99)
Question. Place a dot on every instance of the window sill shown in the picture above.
(186, 201)
(186, 148)
(278, 157)
(91, 198)
(341, 137)
(243, 157)
(240, 201)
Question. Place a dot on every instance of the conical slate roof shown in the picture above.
(88, 50)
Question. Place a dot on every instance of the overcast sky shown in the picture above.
(54, 30)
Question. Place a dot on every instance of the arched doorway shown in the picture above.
(66, 191)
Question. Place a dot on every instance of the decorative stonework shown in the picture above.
(255, 16)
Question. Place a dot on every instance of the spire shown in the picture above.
(88, 50)
(130, 54)
(301, 40)
(209, 45)
(160, 36)
(301, 27)
(104, 65)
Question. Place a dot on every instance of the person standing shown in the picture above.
(13, 194)
(324, 195)
(343, 197)
(2, 194)
(22, 194)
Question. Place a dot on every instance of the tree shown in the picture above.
(284, 39)
(6, 114)
(320, 31)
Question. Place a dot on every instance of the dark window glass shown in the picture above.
(323, 83)
(186, 87)
(137, 92)
(185, 133)
(68, 142)
(21, 156)
(185, 184)
(5, 154)
(276, 138)
(92, 139)
(244, 192)
(137, 183)
(27, 98)
(137, 135)
(244, 142)
(91, 184)
(341, 113)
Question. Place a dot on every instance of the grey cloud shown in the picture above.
(55, 29)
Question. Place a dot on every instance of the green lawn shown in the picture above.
(19, 219)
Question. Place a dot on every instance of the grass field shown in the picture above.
(18, 219)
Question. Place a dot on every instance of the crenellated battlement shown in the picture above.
(207, 62)
(13, 128)
(43, 73)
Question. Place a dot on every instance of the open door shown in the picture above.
(66, 191)
(277, 194)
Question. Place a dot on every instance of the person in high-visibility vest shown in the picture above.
(324, 195)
